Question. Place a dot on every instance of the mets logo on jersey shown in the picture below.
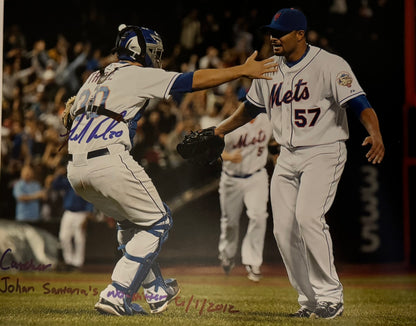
(344, 79)
(298, 93)
(244, 142)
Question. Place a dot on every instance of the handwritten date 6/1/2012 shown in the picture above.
(193, 302)
(200, 305)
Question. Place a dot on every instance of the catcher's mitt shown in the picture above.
(201, 146)
(67, 118)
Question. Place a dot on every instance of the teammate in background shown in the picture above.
(28, 193)
(307, 102)
(244, 181)
(72, 231)
(101, 170)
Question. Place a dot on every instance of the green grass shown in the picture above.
(369, 300)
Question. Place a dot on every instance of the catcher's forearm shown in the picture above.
(207, 78)
(237, 119)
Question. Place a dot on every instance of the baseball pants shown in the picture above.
(235, 193)
(303, 188)
(72, 228)
(118, 186)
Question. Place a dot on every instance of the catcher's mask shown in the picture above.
(139, 44)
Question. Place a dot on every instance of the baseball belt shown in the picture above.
(92, 154)
(242, 176)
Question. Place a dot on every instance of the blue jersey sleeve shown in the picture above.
(358, 104)
(253, 110)
(183, 83)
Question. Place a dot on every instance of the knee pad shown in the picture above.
(161, 228)
(126, 229)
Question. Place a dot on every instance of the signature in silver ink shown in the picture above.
(78, 134)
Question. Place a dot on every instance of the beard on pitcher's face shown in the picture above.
(283, 44)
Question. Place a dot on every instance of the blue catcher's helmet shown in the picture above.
(139, 44)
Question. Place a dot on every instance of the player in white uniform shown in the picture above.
(244, 182)
(306, 102)
(101, 170)
(72, 230)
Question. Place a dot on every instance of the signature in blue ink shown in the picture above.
(78, 135)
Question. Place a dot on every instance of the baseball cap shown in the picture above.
(286, 20)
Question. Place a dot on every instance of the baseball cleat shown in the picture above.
(254, 273)
(227, 265)
(172, 292)
(328, 310)
(302, 313)
(106, 307)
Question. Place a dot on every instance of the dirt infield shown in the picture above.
(271, 270)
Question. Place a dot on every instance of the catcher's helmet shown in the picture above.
(139, 44)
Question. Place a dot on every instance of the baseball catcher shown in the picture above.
(103, 172)
(201, 147)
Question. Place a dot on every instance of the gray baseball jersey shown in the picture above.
(252, 140)
(305, 102)
(124, 88)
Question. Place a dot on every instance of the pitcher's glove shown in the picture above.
(67, 118)
(202, 146)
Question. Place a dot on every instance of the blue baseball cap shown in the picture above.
(287, 20)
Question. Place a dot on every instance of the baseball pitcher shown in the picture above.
(307, 101)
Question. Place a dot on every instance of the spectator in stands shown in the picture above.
(211, 59)
(39, 57)
(51, 155)
(29, 194)
(69, 77)
(243, 39)
(210, 31)
(14, 41)
(11, 78)
(213, 116)
(191, 35)
(232, 94)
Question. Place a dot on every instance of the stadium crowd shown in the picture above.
(38, 78)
